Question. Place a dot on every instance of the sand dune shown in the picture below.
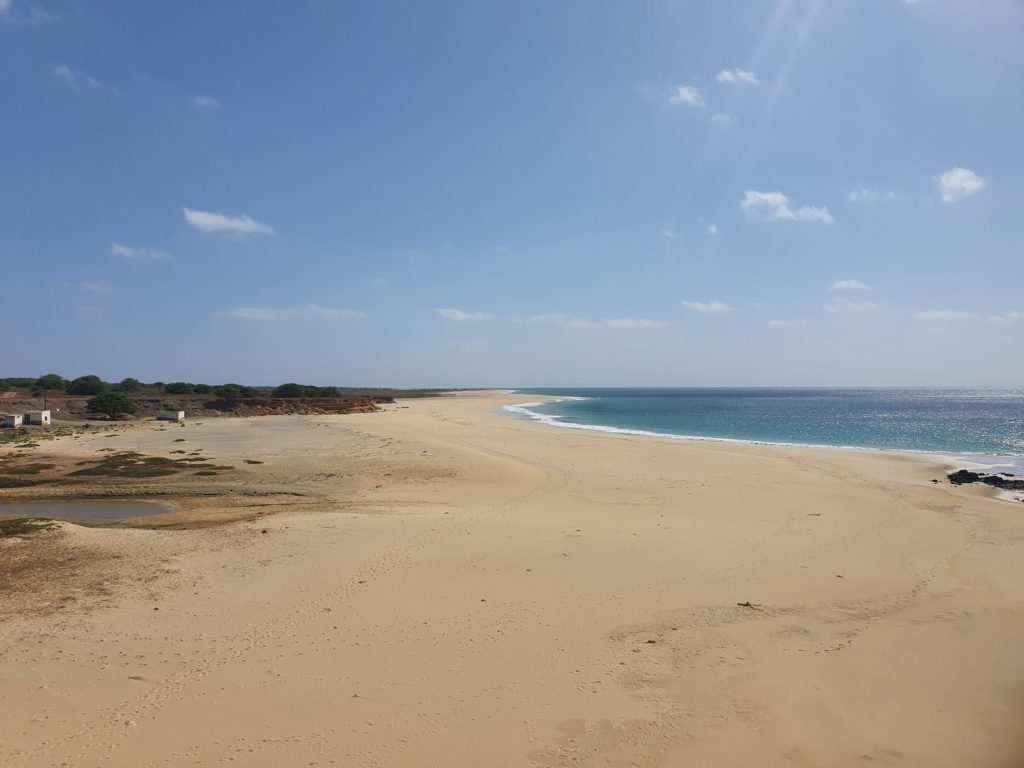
(455, 588)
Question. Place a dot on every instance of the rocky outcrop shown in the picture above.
(1002, 480)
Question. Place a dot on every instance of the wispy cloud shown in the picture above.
(667, 231)
(459, 316)
(711, 230)
(685, 95)
(95, 286)
(80, 81)
(944, 315)
(631, 322)
(784, 323)
(28, 15)
(775, 206)
(841, 304)
(1007, 318)
(310, 310)
(849, 285)
(568, 321)
(958, 183)
(721, 118)
(864, 195)
(207, 102)
(140, 254)
(229, 226)
(556, 318)
(708, 307)
(737, 76)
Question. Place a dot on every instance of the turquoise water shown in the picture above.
(980, 423)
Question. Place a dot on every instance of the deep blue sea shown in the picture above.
(972, 423)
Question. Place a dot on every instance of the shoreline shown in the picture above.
(455, 587)
(946, 460)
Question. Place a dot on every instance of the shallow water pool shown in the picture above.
(82, 510)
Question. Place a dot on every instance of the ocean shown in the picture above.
(982, 426)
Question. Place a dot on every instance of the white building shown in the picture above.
(38, 417)
(170, 415)
(11, 419)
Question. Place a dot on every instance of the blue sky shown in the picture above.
(531, 193)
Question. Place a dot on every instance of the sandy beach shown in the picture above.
(442, 585)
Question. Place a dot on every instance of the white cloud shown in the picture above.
(5, 6)
(310, 310)
(229, 226)
(686, 95)
(784, 323)
(80, 81)
(462, 317)
(866, 196)
(849, 285)
(208, 102)
(958, 183)
(843, 304)
(737, 76)
(944, 315)
(141, 254)
(775, 206)
(711, 230)
(1006, 318)
(628, 322)
(708, 307)
(721, 118)
(667, 231)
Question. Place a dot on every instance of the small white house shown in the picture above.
(170, 415)
(11, 419)
(38, 417)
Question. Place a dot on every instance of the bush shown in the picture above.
(179, 388)
(131, 385)
(203, 389)
(112, 404)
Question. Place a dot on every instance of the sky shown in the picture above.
(514, 194)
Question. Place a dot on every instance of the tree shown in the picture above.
(232, 394)
(52, 381)
(179, 388)
(203, 389)
(87, 385)
(131, 385)
(112, 404)
(290, 390)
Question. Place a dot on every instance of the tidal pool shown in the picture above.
(83, 510)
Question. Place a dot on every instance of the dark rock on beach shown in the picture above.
(1002, 480)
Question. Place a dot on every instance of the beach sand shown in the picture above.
(442, 585)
